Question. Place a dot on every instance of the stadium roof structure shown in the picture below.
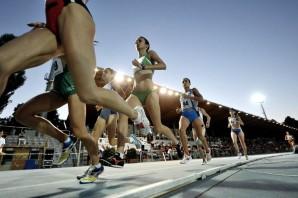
(219, 114)
(169, 101)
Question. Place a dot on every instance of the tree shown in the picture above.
(291, 122)
(13, 121)
(15, 80)
(53, 116)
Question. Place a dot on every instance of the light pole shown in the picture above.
(263, 110)
(56, 68)
(259, 98)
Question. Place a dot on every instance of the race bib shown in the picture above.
(57, 66)
(144, 60)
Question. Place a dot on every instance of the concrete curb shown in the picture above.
(162, 187)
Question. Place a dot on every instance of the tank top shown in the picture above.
(143, 60)
(109, 86)
(233, 121)
(58, 67)
(187, 103)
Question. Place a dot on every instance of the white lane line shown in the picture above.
(268, 173)
(34, 185)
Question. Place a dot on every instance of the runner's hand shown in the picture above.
(35, 25)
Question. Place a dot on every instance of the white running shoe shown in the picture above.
(204, 163)
(146, 131)
(186, 159)
(142, 121)
(239, 155)
(208, 155)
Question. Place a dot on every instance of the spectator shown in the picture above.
(170, 153)
(22, 139)
(290, 140)
(2, 143)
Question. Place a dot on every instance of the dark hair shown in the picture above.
(234, 111)
(111, 70)
(146, 42)
(4, 38)
(186, 79)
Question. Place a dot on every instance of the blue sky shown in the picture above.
(228, 48)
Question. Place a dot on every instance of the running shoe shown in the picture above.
(145, 130)
(92, 174)
(208, 155)
(186, 159)
(239, 155)
(84, 174)
(115, 161)
(142, 122)
(246, 157)
(204, 162)
(66, 149)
